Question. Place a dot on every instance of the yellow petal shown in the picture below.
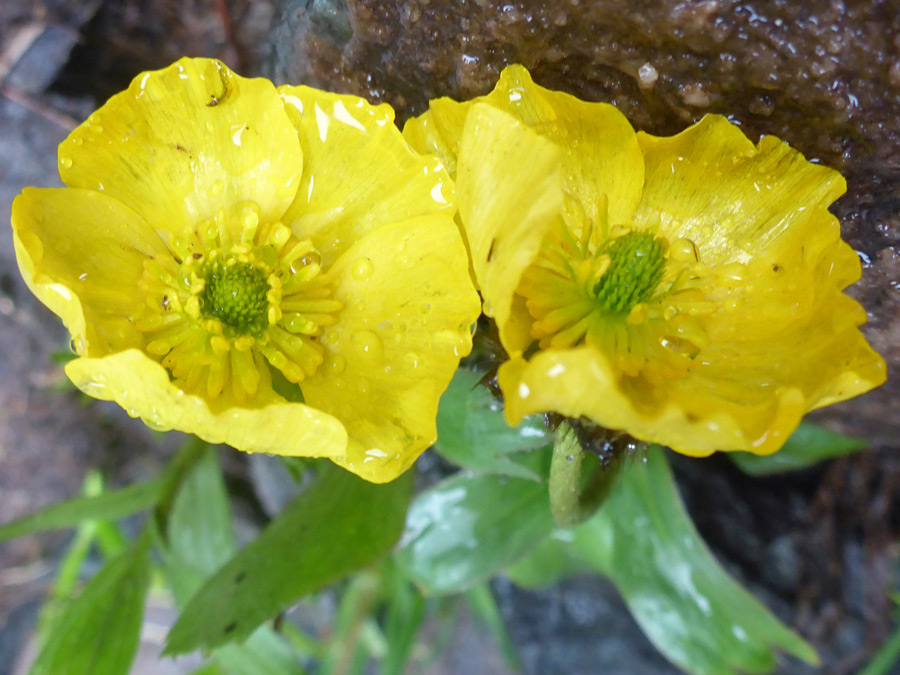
(359, 174)
(600, 152)
(142, 387)
(424, 137)
(581, 382)
(183, 142)
(510, 194)
(819, 352)
(711, 185)
(741, 394)
(409, 307)
(81, 253)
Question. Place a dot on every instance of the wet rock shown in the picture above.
(579, 627)
(823, 75)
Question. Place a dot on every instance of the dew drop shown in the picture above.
(331, 337)
(217, 188)
(368, 345)
(311, 258)
(94, 388)
(66, 162)
(336, 364)
(362, 269)
(683, 250)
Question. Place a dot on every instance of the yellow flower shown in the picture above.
(275, 270)
(686, 290)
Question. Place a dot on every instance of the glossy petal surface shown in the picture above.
(506, 220)
(359, 174)
(205, 293)
(599, 149)
(689, 291)
(84, 279)
(409, 308)
(142, 387)
(183, 142)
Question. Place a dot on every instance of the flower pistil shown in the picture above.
(234, 297)
(629, 292)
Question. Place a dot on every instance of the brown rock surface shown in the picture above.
(823, 75)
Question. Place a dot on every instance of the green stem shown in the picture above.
(570, 503)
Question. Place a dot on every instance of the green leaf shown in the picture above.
(645, 542)
(808, 445)
(98, 632)
(886, 658)
(210, 668)
(473, 434)
(264, 653)
(551, 561)
(199, 533)
(403, 621)
(108, 506)
(467, 528)
(339, 525)
(111, 543)
(201, 539)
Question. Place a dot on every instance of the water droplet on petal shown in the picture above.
(362, 269)
(336, 364)
(66, 162)
(368, 345)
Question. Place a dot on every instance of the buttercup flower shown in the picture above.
(275, 270)
(686, 290)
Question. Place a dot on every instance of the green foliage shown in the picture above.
(808, 445)
(887, 658)
(338, 526)
(107, 505)
(404, 615)
(645, 542)
(102, 532)
(200, 539)
(98, 632)
(469, 527)
(199, 533)
(491, 518)
(473, 434)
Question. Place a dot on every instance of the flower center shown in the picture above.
(235, 294)
(636, 297)
(636, 263)
(233, 300)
